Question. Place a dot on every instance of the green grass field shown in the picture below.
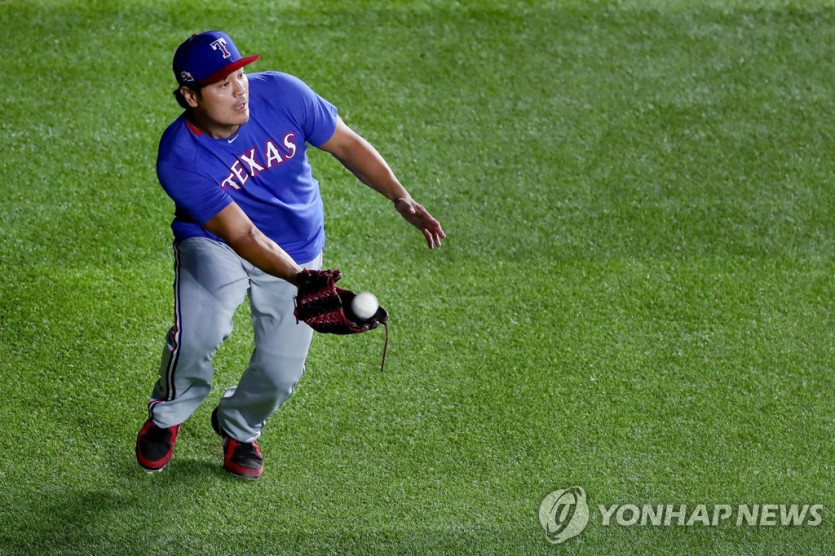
(636, 295)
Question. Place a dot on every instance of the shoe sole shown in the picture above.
(244, 477)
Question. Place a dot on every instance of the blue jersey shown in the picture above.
(263, 167)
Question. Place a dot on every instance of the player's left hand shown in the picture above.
(419, 217)
(327, 308)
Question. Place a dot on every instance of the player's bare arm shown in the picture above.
(237, 230)
(363, 160)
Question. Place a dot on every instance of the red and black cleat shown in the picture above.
(242, 459)
(154, 445)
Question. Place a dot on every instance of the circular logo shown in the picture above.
(564, 514)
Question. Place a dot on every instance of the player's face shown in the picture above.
(223, 107)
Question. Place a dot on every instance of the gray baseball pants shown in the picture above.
(210, 283)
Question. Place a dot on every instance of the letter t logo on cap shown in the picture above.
(221, 44)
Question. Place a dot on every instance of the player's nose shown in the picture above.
(240, 88)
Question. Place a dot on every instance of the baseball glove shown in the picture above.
(327, 308)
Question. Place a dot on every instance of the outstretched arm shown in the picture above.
(363, 160)
(237, 230)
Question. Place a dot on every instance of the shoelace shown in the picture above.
(385, 347)
(247, 451)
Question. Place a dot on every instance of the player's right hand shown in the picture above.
(419, 217)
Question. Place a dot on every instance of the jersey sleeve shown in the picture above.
(193, 194)
(320, 119)
(315, 116)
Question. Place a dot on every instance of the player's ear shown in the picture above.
(189, 95)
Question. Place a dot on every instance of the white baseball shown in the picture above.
(364, 305)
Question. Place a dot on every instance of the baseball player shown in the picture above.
(249, 220)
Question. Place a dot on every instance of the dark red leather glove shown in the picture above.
(327, 308)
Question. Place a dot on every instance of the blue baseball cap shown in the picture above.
(206, 58)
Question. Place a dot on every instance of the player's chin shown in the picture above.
(239, 117)
(240, 114)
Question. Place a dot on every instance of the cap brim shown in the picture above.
(234, 66)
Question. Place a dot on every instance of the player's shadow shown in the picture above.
(73, 517)
(61, 523)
